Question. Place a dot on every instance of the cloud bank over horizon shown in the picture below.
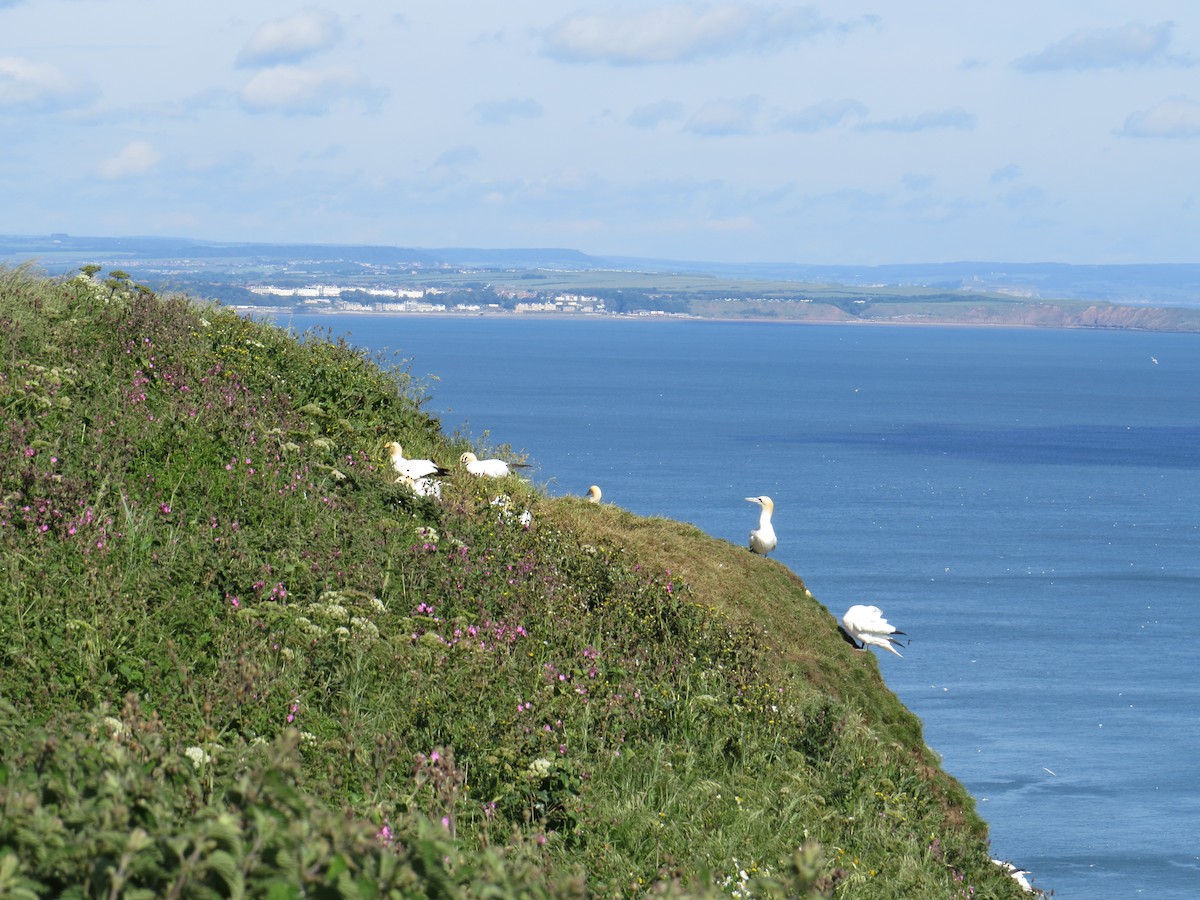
(739, 130)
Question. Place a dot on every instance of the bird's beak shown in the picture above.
(752, 500)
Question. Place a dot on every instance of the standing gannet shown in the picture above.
(412, 469)
(862, 625)
(762, 538)
(594, 494)
(492, 468)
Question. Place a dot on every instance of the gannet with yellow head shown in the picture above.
(762, 538)
(491, 468)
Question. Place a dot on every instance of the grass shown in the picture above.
(239, 660)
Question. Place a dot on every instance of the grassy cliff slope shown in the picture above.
(238, 659)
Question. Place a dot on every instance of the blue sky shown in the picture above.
(830, 132)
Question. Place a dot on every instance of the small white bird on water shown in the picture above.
(863, 625)
(594, 494)
(491, 468)
(762, 538)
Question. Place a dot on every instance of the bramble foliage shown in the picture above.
(240, 660)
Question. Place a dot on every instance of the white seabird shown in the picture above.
(863, 625)
(418, 474)
(413, 469)
(491, 468)
(1018, 875)
(594, 494)
(762, 538)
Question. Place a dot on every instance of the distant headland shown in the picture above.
(337, 278)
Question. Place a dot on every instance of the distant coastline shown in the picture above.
(1189, 324)
(333, 279)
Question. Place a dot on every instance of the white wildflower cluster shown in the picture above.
(114, 726)
(540, 767)
(327, 607)
(343, 614)
(508, 512)
(309, 627)
(740, 884)
(198, 755)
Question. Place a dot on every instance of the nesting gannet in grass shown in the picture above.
(762, 538)
(863, 625)
(412, 469)
(418, 474)
(594, 494)
(491, 468)
(422, 487)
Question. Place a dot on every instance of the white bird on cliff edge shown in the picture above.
(418, 474)
(490, 468)
(412, 468)
(1018, 875)
(863, 625)
(594, 494)
(762, 538)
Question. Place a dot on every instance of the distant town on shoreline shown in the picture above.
(331, 278)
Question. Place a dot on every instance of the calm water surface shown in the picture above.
(1024, 503)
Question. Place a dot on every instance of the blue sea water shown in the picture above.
(1025, 504)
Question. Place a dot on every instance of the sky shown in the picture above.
(840, 132)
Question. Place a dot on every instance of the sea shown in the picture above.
(1023, 503)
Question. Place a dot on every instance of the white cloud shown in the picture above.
(28, 85)
(653, 114)
(1177, 117)
(725, 117)
(826, 114)
(502, 112)
(957, 117)
(680, 32)
(1102, 48)
(291, 39)
(295, 90)
(134, 158)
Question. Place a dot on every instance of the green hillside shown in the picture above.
(239, 660)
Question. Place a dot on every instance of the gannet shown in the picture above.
(492, 468)
(418, 474)
(762, 538)
(594, 494)
(413, 469)
(1018, 875)
(862, 625)
(422, 487)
